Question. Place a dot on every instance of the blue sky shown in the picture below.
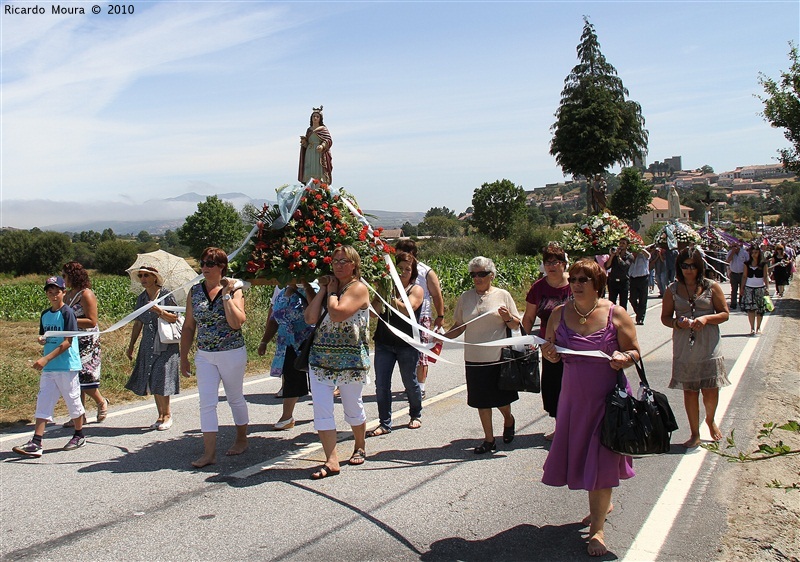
(425, 100)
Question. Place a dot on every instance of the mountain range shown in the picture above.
(156, 216)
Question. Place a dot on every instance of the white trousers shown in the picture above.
(52, 386)
(228, 367)
(322, 395)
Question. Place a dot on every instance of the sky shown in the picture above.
(100, 115)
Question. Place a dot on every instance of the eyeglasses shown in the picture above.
(687, 265)
(480, 274)
(142, 275)
(341, 261)
(581, 280)
(552, 263)
(209, 263)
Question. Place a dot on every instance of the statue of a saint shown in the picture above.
(598, 189)
(315, 151)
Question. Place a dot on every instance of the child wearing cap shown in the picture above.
(59, 366)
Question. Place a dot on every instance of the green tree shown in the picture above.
(144, 237)
(596, 126)
(440, 212)
(215, 223)
(409, 229)
(497, 206)
(107, 235)
(782, 108)
(49, 252)
(115, 256)
(439, 225)
(632, 199)
(706, 169)
(15, 245)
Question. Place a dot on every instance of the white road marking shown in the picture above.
(650, 539)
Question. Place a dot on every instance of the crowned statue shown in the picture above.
(315, 151)
(598, 190)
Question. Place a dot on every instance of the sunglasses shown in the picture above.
(341, 261)
(209, 263)
(480, 274)
(686, 265)
(581, 280)
(142, 275)
(552, 263)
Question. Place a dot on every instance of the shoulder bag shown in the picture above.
(170, 332)
(519, 370)
(301, 361)
(637, 427)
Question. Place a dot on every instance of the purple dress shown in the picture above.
(576, 458)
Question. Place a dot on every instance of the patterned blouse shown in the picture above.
(340, 353)
(292, 327)
(213, 331)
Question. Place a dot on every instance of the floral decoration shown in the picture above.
(597, 234)
(302, 249)
(684, 234)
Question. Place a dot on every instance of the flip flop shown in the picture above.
(415, 423)
(323, 472)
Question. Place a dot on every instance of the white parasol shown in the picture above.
(175, 271)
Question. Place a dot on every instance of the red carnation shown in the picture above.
(327, 259)
(252, 266)
(312, 264)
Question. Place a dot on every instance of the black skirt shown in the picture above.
(295, 383)
(482, 390)
(552, 374)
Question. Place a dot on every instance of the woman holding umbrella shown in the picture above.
(157, 367)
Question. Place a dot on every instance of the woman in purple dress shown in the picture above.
(576, 458)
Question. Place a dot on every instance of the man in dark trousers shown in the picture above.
(618, 266)
(639, 275)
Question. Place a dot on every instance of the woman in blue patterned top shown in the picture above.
(286, 321)
(215, 310)
(340, 355)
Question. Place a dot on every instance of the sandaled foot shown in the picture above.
(378, 431)
(485, 447)
(102, 411)
(323, 472)
(713, 428)
(359, 456)
(588, 519)
(236, 449)
(509, 431)
(71, 423)
(693, 442)
(550, 436)
(415, 423)
(204, 461)
(597, 545)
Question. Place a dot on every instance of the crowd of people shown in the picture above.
(332, 316)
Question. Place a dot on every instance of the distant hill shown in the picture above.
(184, 205)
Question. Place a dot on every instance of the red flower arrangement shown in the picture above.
(302, 249)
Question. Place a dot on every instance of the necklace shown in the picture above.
(583, 317)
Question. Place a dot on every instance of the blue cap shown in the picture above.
(56, 281)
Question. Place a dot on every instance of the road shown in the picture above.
(131, 494)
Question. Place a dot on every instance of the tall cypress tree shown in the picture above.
(596, 126)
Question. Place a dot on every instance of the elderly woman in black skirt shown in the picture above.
(482, 363)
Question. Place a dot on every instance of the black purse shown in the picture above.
(519, 370)
(637, 427)
(301, 361)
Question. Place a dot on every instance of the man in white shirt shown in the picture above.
(736, 258)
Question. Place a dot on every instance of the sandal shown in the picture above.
(323, 472)
(359, 456)
(71, 423)
(378, 431)
(102, 413)
(485, 447)
(508, 432)
(415, 423)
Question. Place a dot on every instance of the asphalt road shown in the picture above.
(131, 494)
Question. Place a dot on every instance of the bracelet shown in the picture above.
(333, 295)
(630, 356)
(675, 325)
(440, 316)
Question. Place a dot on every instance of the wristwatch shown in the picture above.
(227, 297)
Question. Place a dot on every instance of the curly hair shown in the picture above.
(76, 276)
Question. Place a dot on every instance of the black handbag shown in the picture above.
(637, 427)
(519, 370)
(301, 361)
